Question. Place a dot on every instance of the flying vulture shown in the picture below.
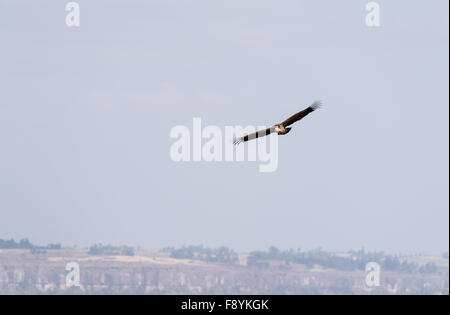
(282, 128)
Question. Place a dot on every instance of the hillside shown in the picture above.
(43, 272)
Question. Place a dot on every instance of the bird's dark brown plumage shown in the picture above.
(280, 128)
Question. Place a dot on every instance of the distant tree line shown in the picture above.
(219, 255)
(351, 261)
(99, 249)
(25, 244)
(355, 260)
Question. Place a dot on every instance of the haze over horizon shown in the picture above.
(85, 117)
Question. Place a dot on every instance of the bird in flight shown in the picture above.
(281, 128)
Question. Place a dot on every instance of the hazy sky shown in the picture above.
(85, 117)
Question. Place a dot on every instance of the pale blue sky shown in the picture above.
(85, 116)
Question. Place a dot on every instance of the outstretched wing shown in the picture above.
(301, 114)
(254, 135)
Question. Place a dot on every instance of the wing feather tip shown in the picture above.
(316, 105)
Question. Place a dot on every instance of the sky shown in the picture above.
(86, 114)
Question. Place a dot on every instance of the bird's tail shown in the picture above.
(316, 105)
